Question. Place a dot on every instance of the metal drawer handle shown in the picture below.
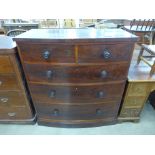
(55, 112)
(49, 74)
(0, 83)
(106, 54)
(100, 94)
(103, 74)
(52, 94)
(46, 55)
(4, 100)
(98, 112)
(11, 114)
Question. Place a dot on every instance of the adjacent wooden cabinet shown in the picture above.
(15, 105)
(76, 77)
(139, 87)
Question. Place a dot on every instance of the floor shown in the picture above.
(146, 126)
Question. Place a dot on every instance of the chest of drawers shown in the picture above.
(14, 102)
(76, 76)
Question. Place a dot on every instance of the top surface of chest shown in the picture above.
(75, 35)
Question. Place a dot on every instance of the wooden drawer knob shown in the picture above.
(55, 112)
(100, 94)
(49, 74)
(106, 54)
(103, 74)
(52, 93)
(11, 114)
(46, 55)
(4, 100)
(98, 112)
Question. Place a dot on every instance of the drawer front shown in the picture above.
(130, 112)
(8, 82)
(55, 53)
(78, 112)
(5, 65)
(137, 101)
(15, 113)
(74, 74)
(138, 89)
(105, 53)
(12, 98)
(76, 94)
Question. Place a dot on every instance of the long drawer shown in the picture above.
(12, 98)
(15, 113)
(76, 73)
(8, 82)
(58, 94)
(66, 112)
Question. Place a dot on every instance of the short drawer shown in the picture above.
(74, 74)
(104, 52)
(130, 112)
(138, 89)
(133, 101)
(15, 113)
(54, 53)
(66, 112)
(76, 94)
(8, 82)
(12, 98)
(5, 65)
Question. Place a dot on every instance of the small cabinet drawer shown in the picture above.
(12, 98)
(76, 94)
(5, 65)
(15, 113)
(104, 53)
(67, 112)
(74, 74)
(8, 82)
(138, 89)
(130, 112)
(54, 53)
(132, 101)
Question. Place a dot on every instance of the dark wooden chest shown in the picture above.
(76, 76)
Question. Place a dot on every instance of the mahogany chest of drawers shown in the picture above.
(14, 102)
(76, 77)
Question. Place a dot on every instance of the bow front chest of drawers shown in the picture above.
(76, 76)
(15, 105)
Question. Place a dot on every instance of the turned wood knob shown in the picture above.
(98, 112)
(52, 93)
(49, 74)
(103, 74)
(46, 55)
(100, 94)
(106, 54)
(56, 112)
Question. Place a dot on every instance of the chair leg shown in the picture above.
(140, 54)
(152, 69)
